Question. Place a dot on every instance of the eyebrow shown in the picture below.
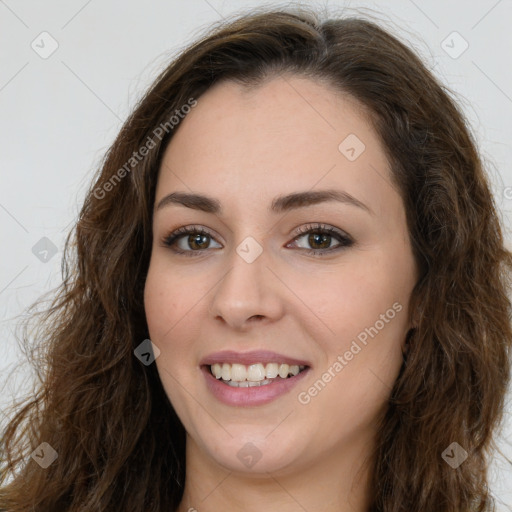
(279, 205)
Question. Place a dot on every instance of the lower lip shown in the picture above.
(256, 395)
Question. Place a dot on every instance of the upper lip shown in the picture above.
(253, 357)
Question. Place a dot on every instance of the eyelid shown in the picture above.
(169, 239)
(320, 226)
(344, 239)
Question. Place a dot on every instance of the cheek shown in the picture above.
(353, 297)
(175, 307)
(365, 308)
(368, 317)
(166, 301)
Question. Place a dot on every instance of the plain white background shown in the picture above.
(59, 113)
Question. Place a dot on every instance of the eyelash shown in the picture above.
(345, 241)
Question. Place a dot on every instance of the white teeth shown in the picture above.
(239, 372)
(272, 370)
(254, 374)
(216, 370)
(226, 371)
(283, 371)
(247, 383)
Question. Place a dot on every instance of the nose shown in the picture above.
(248, 293)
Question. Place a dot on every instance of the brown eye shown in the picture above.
(321, 241)
(188, 240)
(198, 241)
(194, 240)
(320, 237)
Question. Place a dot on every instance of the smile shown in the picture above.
(242, 376)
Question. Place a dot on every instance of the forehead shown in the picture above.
(289, 133)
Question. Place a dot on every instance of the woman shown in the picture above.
(296, 216)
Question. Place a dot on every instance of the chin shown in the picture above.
(256, 454)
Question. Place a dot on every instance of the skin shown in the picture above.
(245, 147)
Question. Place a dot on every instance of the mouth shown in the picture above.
(258, 374)
(251, 378)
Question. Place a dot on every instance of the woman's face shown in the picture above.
(265, 290)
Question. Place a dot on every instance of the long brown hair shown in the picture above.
(119, 443)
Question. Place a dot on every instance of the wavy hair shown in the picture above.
(119, 442)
